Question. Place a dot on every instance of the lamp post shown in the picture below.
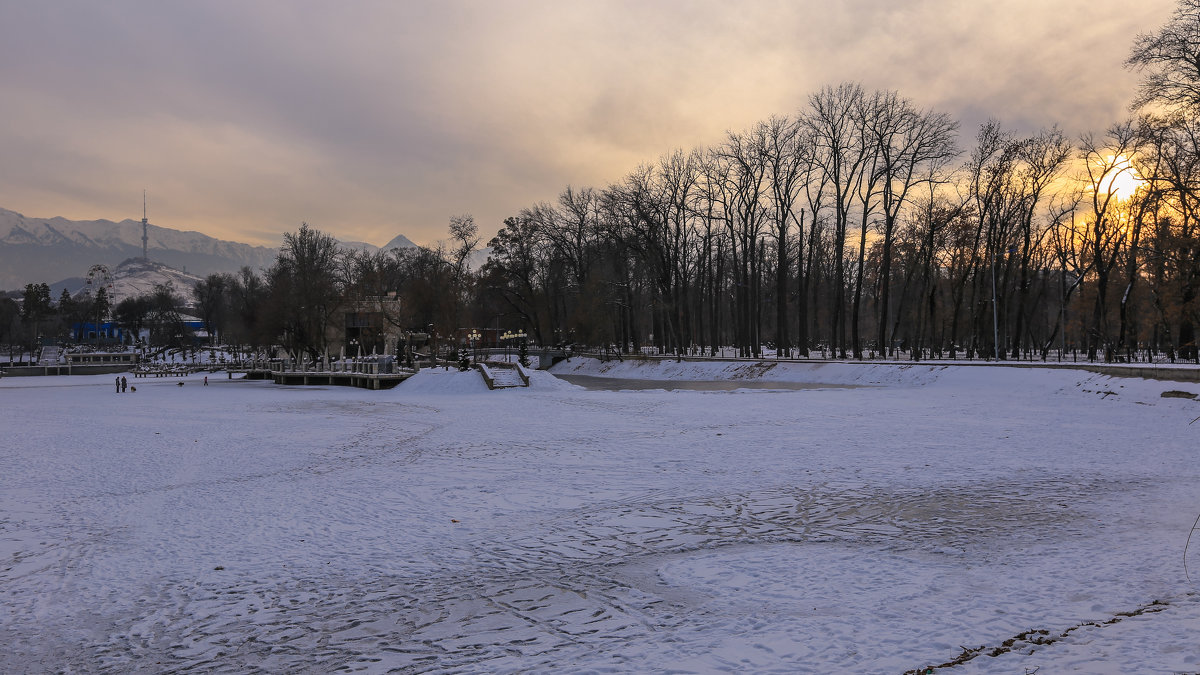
(522, 352)
(508, 337)
(474, 336)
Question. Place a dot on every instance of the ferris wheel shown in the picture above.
(99, 277)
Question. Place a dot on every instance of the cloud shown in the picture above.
(370, 119)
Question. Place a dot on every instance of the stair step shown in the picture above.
(504, 378)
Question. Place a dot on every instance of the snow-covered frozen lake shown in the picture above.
(884, 527)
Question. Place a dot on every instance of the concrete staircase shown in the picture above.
(50, 355)
(502, 376)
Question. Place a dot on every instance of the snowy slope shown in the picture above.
(399, 241)
(136, 277)
(132, 278)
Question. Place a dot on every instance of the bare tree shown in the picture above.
(516, 270)
(306, 290)
(746, 154)
(1169, 60)
(716, 216)
(788, 156)
(839, 150)
(1170, 166)
(464, 239)
(914, 146)
(1105, 162)
(1042, 159)
(991, 172)
(212, 301)
(660, 199)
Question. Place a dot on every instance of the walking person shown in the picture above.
(206, 380)
(124, 384)
(118, 385)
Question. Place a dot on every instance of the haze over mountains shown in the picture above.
(54, 250)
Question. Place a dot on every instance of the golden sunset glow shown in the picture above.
(1122, 180)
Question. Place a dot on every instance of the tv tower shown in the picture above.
(145, 225)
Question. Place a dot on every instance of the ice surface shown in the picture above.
(438, 526)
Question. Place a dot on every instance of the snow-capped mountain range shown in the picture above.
(36, 250)
(60, 252)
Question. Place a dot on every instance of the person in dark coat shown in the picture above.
(118, 385)
(124, 384)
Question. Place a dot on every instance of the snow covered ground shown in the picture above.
(438, 526)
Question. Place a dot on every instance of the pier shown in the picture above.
(365, 372)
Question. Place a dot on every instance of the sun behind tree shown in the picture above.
(1122, 179)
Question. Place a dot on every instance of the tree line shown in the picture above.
(296, 304)
(857, 227)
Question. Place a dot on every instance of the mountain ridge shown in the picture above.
(53, 250)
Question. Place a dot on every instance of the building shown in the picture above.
(370, 325)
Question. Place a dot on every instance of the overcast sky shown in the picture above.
(371, 119)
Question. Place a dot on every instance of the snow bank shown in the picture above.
(437, 381)
(771, 371)
(967, 376)
(440, 381)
